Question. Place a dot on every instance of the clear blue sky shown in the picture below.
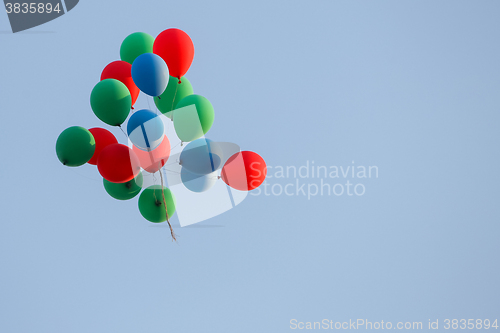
(411, 87)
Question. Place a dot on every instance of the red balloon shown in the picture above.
(177, 49)
(244, 171)
(117, 163)
(103, 138)
(121, 71)
(154, 160)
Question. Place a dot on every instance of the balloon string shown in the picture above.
(172, 171)
(149, 105)
(173, 99)
(178, 143)
(157, 110)
(154, 183)
(123, 131)
(166, 212)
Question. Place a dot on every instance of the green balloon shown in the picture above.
(124, 191)
(193, 117)
(174, 92)
(151, 204)
(111, 101)
(75, 146)
(134, 45)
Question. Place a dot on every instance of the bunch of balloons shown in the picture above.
(155, 66)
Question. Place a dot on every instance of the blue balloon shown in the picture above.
(201, 156)
(198, 183)
(145, 129)
(150, 74)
